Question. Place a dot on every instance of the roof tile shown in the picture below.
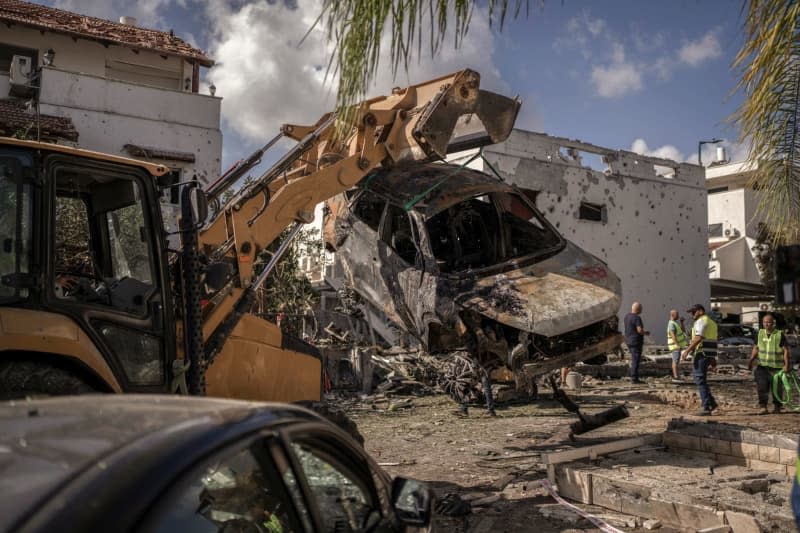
(14, 117)
(106, 31)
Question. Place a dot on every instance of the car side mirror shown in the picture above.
(411, 501)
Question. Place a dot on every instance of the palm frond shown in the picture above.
(769, 118)
(356, 28)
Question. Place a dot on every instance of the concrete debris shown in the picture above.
(488, 500)
(753, 486)
(651, 524)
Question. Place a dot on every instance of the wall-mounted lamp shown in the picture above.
(212, 89)
(187, 84)
(48, 57)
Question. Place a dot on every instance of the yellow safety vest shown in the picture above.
(770, 353)
(709, 344)
(678, 335)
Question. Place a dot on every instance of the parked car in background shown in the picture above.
(171, 463)
(735, 341)
(728, 331)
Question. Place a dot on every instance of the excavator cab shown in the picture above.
(82, 256)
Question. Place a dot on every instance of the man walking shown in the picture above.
(704, 350)
(770, 355)
(676, 341)
(634, 338)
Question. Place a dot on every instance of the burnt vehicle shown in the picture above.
(464, 261)
(173, 463)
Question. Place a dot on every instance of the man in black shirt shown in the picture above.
(634, 338)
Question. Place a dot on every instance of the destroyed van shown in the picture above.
(461, 260)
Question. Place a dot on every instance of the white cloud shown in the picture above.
(667, 151)
(618, 78)
(266, 79)
(734, 152)
(146, 12)
(579, 30)
(695, 52)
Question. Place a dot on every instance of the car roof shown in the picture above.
(431, 187)
(45, 443)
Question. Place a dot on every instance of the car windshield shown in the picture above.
(487, 230)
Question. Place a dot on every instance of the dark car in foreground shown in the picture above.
(171, 463)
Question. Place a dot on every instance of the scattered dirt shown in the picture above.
(496, 461)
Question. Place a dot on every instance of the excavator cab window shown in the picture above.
(102, 250)
(15, 223)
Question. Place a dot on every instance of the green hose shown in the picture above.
(791, 389)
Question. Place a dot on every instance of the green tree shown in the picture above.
(287, 290)
(769, 118)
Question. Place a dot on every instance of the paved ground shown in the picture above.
(498, 458)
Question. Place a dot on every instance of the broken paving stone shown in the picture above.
(753, 486)
(557, 512)
(652, 524)
(715, 529)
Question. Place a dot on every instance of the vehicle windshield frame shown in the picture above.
(512, 261)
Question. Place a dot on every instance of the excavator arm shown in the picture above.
(412, 124)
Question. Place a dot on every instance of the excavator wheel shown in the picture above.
(21, 378)
(336, 416)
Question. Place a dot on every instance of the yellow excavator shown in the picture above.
(92, 297)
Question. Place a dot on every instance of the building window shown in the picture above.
(592, 212)
(8, 51)
(715, 230)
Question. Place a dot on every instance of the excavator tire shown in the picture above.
(336, 416)
(19, 379)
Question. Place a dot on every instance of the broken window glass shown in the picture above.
(369, 208)
(487, 230)
(401, 237)
(344, 502)
(523, 227)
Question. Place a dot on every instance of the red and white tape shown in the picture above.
(545, 483)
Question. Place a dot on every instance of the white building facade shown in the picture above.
(733, 228)
(644, 216)
(125, 90)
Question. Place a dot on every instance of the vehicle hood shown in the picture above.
(563, 293)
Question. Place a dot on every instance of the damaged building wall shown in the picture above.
(116, 95)
(645, 217)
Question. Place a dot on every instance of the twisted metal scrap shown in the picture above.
(459, 375)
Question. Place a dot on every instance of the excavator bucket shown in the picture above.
(463, 99)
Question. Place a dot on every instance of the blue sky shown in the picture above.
(650, 76)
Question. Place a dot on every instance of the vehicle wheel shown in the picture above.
(338, 417)
(19, 379)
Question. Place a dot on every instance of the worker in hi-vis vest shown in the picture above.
(676, 341)
(770, 355)
(703, 349)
